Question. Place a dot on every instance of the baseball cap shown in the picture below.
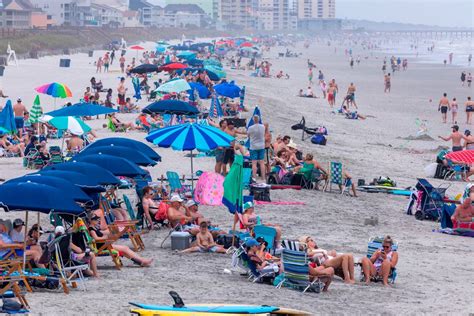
(59, 230)
(176, 198)
(251, 243)
(18, 222)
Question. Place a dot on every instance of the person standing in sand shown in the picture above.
(469, 80)
(256, 134)
(455, 137)
(469, 109)
(99, 65)
(122, 63)
(310, 76)
(444, 106)
(351, 95)
(387, 83)
(19, 110)
(463, 78)
(454, 110)
(121, 90)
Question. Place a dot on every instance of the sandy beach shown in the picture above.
(435, 271)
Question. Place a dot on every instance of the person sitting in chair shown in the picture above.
(250, 220)
(381, 262)
(310, 164)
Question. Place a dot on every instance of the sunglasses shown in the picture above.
(386, 247)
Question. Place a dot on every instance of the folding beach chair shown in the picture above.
(335, 177)
(55, 155)
(175, 184)
(374, 244)
(242, 260)
(10, 288)
(296, 272)
(268, 234)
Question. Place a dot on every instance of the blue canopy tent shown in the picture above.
(127, 142)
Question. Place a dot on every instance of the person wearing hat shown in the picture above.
(101, 237)
(19, 109)
(176, 213)
(455, 137)
(10, 249)
(16, 233)
(263, 266)
(250, 220)
(293, 149)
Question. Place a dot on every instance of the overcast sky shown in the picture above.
(432, 12)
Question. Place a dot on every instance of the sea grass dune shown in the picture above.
(435, 270)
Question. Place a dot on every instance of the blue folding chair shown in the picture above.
(268, 234)
(375, 244)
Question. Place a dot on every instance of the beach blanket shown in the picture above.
(279, 203)
(209, 189)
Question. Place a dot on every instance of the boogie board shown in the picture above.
(379, 189)
(209, 309)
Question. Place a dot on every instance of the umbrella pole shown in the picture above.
(24, 241)
(192, 171)
(62, 143)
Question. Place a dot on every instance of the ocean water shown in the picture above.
(460, 47)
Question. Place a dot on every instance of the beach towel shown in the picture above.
(279, 203)
(209, 189)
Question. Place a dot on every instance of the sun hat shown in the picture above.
(251, 243)
(292, 145)
(176, 198)
(247, 205)
(190, 203)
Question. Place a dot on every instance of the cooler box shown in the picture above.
(180, 240)
(65, 63)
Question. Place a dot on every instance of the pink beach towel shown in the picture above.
(209, 189)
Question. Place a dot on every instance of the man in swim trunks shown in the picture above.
(444, 106)
(19, 109)
(469, 109)
(351, 93)
(455, 137)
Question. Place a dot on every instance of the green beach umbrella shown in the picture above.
(177, 86)
(74, 125)
(219, 72)
(36, 111)
(233, 186)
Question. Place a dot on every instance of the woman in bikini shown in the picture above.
(381, 262)
(454, 110)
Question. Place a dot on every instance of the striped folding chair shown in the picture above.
(374, 244)
(336, 177)
(296, 272)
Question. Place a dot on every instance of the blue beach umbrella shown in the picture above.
(127, 142)
(221, 74)
(228, 89)
(116, 165)
(191, 137)
(99, 175)
(136, 88)
(202, 90)
(195, 62)
(186, 55)
(119, 151)
(32, 196)
(7, 118)
(171, 107)
(76, 178)
(82, 109)
(72, 190)
(216, 109)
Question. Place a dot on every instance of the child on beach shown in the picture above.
(205, 242)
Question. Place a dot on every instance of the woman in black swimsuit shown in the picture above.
(100, 237)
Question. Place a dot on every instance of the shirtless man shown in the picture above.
(464, 212)
(122, 63)
(336, 88)
(469, 109)
(175, 214)
(455, 137)
(444, 106)
(387, 83)
(351, 92)
(19, 109)
(121, 90)
(75, 143)
(331, 94)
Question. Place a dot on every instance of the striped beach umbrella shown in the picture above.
(215, 110)
(36, 111)
(191, 137)
(56, 90)
(74, 125)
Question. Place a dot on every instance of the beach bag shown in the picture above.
(386, 182)
(11, 305)
(225, 240)
(162, 213)
(441, 171)
(319, 139)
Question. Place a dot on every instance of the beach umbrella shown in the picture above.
(7, 118)
(36, 111)
(216, 109)
(97, 175)
(86, 183)
(63, 184)
(144, 69)
(233, 186)
(116, 165)
(202, 90)
(172, 66)
(137, 47)
(127, 142)
(178, 47)
(463, 157)
(218, 72)
(82, 109)
(74, 125)
(177, 86)
(162, 43)
(212, 62)
(246, 44)
(3, 131)
(160, 49)
(171, 107)
(119, 151)
(32, 196)
(186, 55)
(256, 111)
(226, 89)
(242, 98)
(56, 90)
(136, 87)
(191, 137)
(195, 62)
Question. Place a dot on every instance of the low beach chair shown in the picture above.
(374, 244)
(296, 272)
(243, 261)
(336, 176)
(55, 154)
(10, 288)
(268, 234)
